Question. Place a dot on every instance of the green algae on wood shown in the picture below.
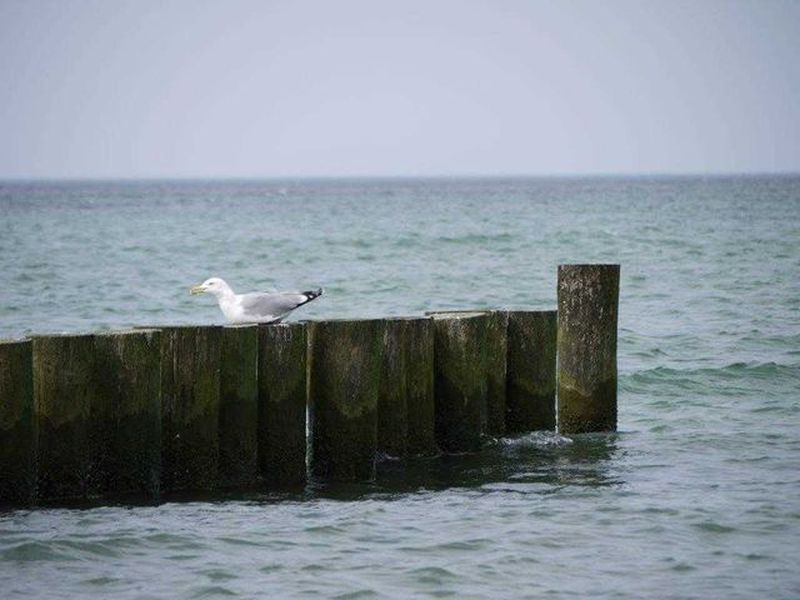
(238, 406)
(17, 423)
(190, 378)
(420, 404)
(460, 379)
(345, 367)
(282, 396)
(588, 297)
(64, 393)
(531, 396)
(128, 411)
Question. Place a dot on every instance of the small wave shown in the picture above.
(324, 530)
(33, 551)
(238, 541)
(435, 575)
(721, 379)
(219, 575)
(476, 238)
(212, 591)
(355, 595)
(534, 439)
(714, 527)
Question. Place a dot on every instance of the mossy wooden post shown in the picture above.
(420, 406)
(496, 367)
(531, 398)
(282, 394)
(588, 297)
(190, 377)
(64, 393)
(17, 424)
(461, 381)
(238, 409)
(128, 409)
(392, 394)
(344, 381)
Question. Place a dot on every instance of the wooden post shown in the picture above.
(343, 390)
(190, 384)
(420, 405)
(282, 394)
(531, 399)
(64, 395)
(588, 297)
(392, 394)
(461, 379)
(496, 367)
(17, 424)
(238, 409)
(126, 420)
(406, 411)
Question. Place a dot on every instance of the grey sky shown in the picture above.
(160, 89)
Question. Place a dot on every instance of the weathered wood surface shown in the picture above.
(460, 379)
(190, 386)
(496, 368)
(64, 396)
(531, 393)
(128, 393)
(420, 399)
(588, 297)
(344, 384)
(282, 398)
(17, 423)
(238, 406)
(393, 390)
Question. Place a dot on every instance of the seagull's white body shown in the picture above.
(231, 306)
(255, 307)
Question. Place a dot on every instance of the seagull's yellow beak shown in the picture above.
(197, 289)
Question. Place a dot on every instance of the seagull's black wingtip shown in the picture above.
(312, 294)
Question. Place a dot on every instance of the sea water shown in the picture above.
(696, 496)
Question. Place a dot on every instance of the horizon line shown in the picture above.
(376, 177)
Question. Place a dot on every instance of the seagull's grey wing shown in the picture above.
(262, 304)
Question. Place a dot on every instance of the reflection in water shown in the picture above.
(547, 460)
(535, 463)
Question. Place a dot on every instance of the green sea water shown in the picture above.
(696, 496)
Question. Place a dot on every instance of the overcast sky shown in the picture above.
(431, 87)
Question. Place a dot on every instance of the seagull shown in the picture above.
(255, 307)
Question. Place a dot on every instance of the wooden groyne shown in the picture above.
(149, 413)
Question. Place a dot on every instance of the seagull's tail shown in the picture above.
(312, 295)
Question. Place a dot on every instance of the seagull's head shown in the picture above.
(214, 285)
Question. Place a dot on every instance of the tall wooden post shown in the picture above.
(588, 297)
